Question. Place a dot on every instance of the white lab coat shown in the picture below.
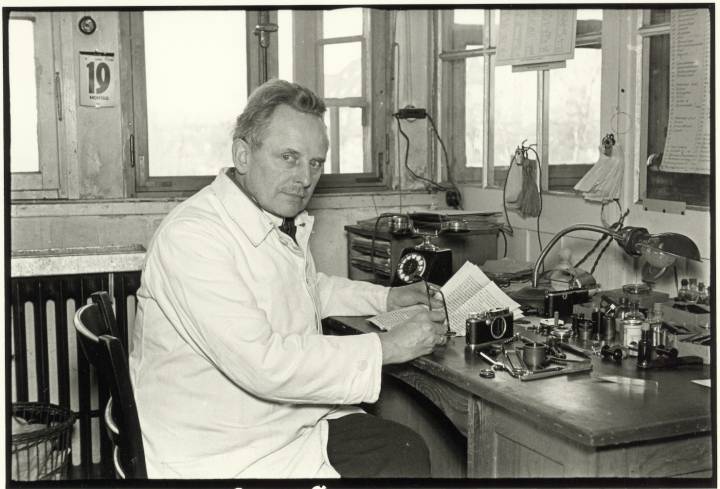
(231, 372)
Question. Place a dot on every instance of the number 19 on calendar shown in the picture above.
(98, 73)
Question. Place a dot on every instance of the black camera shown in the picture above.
(489, 326)
(563, 301)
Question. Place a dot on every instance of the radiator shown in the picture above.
(48, 365)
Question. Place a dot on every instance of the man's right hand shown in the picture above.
(413, 338)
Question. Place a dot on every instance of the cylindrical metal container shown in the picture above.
(607, 328)
(472, 330)
(534, 356)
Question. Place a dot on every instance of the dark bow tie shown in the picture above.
(288, 227)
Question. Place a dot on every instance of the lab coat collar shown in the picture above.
(255, 222)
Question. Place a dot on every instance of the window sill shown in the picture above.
(163, 205)
(556, 193)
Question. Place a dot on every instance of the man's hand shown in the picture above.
(413, 338)
(409, 295)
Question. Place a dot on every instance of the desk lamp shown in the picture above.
(660, 251)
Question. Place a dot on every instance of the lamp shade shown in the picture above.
(674, 244)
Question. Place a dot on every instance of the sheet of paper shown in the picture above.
(687, 147)
(536, 36)
(703, 382)
(388, 320)
(468, 291)
(489, 297)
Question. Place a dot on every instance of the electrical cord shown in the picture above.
(447, 160)
(372, 243)
(607, 239)
(511, 231)
(539, 167)
(432, 184)
(505, 242)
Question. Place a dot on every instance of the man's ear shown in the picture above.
(241, 156)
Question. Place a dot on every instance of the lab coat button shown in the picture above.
(362, 365)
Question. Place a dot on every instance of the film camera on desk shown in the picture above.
(391, 243)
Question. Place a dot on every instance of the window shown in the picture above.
(692, 188)
(489, 111)
(189, 84)
(344, 58)
(192, 71)
(35, 113)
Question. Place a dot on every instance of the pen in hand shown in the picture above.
(449, 332)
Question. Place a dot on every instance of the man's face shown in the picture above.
(283, 171)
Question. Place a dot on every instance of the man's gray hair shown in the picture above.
(255, 119)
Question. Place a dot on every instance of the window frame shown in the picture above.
(136, 153)
(452, 74)
(307, 70)
(47, 182)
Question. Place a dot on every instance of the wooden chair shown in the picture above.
(98, 335)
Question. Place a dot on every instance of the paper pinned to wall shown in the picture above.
(536, 36)
(687, 147)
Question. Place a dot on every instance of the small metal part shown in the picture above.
(543, 370)
(487, 373)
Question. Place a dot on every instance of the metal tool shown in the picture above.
(498, 365)
(516, 370)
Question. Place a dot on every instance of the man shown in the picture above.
(232, 375)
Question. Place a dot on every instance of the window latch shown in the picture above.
(58, 96)
(132, 151)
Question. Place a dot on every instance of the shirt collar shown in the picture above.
(244, 210)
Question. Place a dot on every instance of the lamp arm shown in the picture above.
(556, 238)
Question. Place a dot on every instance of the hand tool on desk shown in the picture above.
(563, 361)
(498, 365)
(515, 369)
(541, 373)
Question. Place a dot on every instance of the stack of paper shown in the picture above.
(467, 292)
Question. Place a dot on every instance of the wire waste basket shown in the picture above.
(41, 436)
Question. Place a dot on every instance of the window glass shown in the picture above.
(23, 97)
(574, 117)
(658, 80)
(495, 28)
(469, 16)
(514, 114)
(659, 16)
(342, 22)
(195, 64)
(589, 21)
(351, 140)
(342, 70)
(474, 109)
(285, 45)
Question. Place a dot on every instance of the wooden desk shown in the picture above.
(565, 426)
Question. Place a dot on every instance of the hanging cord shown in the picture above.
(539, 192)
(372, 243)
(432, 185)
(502, 231)
(606, 239)
(447, 161)
(510, 229)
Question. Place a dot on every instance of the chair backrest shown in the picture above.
(105, 352)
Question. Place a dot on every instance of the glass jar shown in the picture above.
(683, 292)
(703, 297)
(692, 293)
(656, 320)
